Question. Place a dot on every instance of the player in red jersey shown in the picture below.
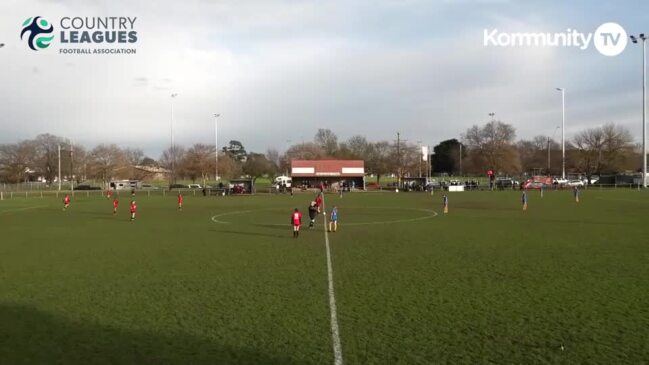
(318, 201)
(180, 201)
(109, 193)
(66, 201)
(115, 204)
(133, 210)
(296, 221)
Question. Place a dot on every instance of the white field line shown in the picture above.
(432, 214)
(335, 333)
(22, 209)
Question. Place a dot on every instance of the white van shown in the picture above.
(281, 180)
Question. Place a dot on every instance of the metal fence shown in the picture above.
(95, 193)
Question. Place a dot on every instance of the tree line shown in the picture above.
(598, 150)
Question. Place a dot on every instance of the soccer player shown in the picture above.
(318, 201)
(445, 203)
(180, 202)
(524, 200)
(115, 204)
(296, 221)
(313, 213)
(66, 201)
(109, 193)
(333, 221)
(575, 192)
(133, 210)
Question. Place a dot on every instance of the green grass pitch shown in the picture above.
(224, 282)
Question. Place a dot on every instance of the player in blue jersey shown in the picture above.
(524, 200)
(445, 203)
(333, 221)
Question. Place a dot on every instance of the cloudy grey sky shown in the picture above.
(278, 70)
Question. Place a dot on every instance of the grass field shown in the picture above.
(224, 282)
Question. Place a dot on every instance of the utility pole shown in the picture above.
(460, 159)
(288, 161)
(59, 167)
(548, 155)
(398, 159)
(71, 169)
(421, 157)
(429, 165)
(216, 146)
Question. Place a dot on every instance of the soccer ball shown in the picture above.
(396, 190)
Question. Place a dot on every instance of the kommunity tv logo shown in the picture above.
(39, 30)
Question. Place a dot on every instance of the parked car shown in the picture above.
(86, 187)
(531, 184)
(504, 183)
(194, 186)
(177, 186)
(575, 183)
(149, 187)
(559, 181)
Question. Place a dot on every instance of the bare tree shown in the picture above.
(358, 147)
(379, 159)
(492, 147)
(133, 157)
(306, 151)
(46, 163)
(603, 149)
(170, 160)
(16, 161)
(198, 162)
(618, 147)
(534, 153)
(327, 140)
(229, 167)
(274, 157)
(105, 160)
(257, 165)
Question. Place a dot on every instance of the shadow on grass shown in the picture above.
(30, 336)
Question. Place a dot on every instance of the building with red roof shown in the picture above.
(311, 173)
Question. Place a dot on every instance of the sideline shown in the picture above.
(335, 333)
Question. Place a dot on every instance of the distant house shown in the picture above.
(151, 172)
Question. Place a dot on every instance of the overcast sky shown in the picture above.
(278, 71)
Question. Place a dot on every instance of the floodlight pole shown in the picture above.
(172, 150)
(644, 108)
(634, 39)
(563, 132)
(216, 146)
